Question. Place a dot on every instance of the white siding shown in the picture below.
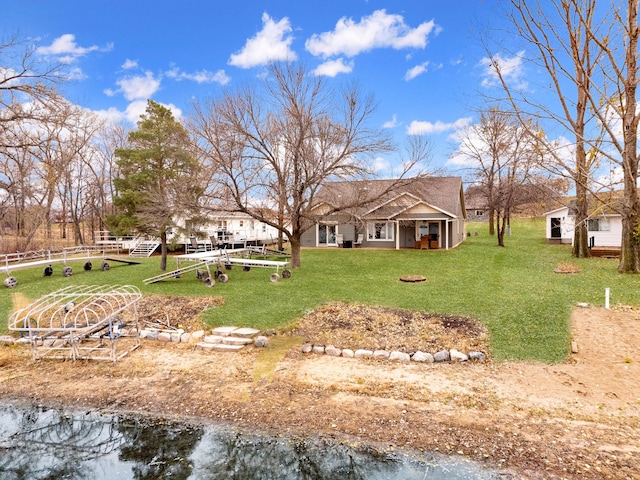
(610, 238)
(567, 224)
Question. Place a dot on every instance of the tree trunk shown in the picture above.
(492, 219)
(580, 247)
(629, 252)
(79, 240)
(163, 250)
(500, 226)
(295, 252)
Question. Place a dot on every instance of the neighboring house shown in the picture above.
(425, 213)
(477, 206)
(228, 228)
(604, 226)
(529, 200)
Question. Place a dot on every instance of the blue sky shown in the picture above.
(421, 59)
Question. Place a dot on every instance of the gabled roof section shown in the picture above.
(555, 211)
(398, 203)
(388, 198)
(322, 207)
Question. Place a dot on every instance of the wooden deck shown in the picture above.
(605, 252)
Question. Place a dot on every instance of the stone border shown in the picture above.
(232, 339)
(452, 355)
(227, 339)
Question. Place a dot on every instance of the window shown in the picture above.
(598, 225)
(479, 213)
(380, 230)
(241, 223)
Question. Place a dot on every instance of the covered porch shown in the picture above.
(423, 234)
(420, 234)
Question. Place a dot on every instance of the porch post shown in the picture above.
(397, 235)
(446, 234)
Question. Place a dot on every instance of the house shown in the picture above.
(476, 204)
(424, 213)
(528, 200)
(604, 226)
(224, 228)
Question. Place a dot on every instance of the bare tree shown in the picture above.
(73, 189)
(23, 79)
(502, 160)
(22, 196)
(561, 34)
(101, 167)
(270, 148)
(28, 92)
(615, 104)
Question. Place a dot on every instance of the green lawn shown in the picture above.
(512, 290)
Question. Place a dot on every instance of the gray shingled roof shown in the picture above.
(442, 193)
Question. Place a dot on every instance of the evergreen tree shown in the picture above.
(157, 179)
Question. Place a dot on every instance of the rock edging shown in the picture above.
(224, 339)
(441, 356)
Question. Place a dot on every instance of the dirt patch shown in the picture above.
(579, 419)
(373, 328)
(174, 312)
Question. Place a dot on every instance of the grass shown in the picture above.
(268, 358)
(513, 290)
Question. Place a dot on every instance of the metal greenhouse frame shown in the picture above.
(81, 322)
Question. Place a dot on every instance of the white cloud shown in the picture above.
(139, 86)
(272, 43)
(416, 71)
(66, 48)
(139, 107)
(8, 76)
(112, 115)
(391, 123)
(135, 109)
(331, 68)
(511, 69)
(129, 64)
(612, 180)
(421, 128)
(378, 30)
(381, 165)
(76, 73)
(202, 76)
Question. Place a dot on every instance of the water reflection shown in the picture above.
(52, 444)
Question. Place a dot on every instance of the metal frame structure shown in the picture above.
(223, 259)
(19, 261)
(81, 322)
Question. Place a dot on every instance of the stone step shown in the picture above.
(235, 331)
(245, 332)
(223, 331)
(218, 347)
(212, 339)
(236, 340)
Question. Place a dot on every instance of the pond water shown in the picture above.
(41, 443)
